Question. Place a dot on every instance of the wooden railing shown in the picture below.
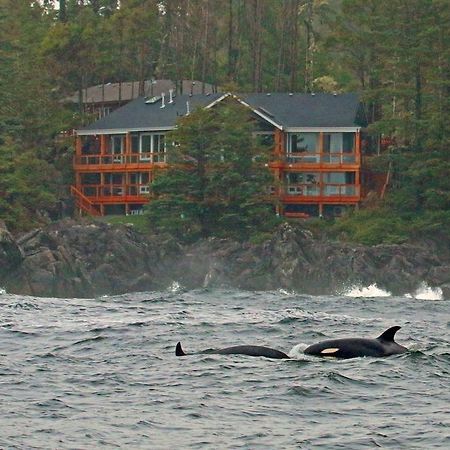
(321, 190)
(340, 158)
(129, 158)
(83, 203)
(98, 191)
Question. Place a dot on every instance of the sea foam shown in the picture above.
(369, 291)
(425, 292)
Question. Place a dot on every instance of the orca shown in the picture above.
(249, 350)
(383, 345)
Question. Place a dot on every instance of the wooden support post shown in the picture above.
(103, 144)
(78, 146)
(279, 144)
(358, 147)
(128, 143)
(320, 149)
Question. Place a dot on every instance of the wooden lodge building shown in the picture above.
(316, 140)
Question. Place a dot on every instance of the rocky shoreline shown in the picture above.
(86, 259)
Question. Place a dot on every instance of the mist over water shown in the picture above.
(101, 373)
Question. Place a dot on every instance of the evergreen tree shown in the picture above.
(217, 183)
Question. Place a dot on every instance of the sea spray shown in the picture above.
(369, 291)
(425, 292)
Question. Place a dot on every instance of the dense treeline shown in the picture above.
(396, 53)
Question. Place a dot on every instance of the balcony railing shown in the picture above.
(321, 158)
(324, 190)
(133, 158)
(93, 191)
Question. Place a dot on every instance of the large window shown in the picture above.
(339, 147)
(152, 143)
(303, 142)
(339, 183)
(303, 183)
(117, 144)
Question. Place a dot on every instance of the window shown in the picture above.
(303, 142)
(117, 147)
(348, 142)
(302, 177)
(134, 143)
(339, 183)
(303, 183)
(152, 143)
(332, 142)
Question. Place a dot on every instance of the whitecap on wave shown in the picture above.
(425, 292)
(369, 291)
(175, 287)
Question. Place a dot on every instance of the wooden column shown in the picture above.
(279, 143)
(358, 147)
(78, 145)
(358, 161)
(320, 149)
(103, 144)
(128, 143)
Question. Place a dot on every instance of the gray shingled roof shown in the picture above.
(286, 110)
(308, 110)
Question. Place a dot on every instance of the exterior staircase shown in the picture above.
(83, 204)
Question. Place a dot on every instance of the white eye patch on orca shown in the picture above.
(329, 351)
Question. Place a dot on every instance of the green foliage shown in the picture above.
(214, 186)
(417, 203)
(31, 115)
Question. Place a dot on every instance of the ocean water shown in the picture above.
(101, 373)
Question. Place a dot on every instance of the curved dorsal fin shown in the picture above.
(389, 334)
(179, 351)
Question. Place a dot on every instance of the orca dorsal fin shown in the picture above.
(389, 334)
(179, 351)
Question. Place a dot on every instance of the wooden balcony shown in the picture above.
(119, 162)
(326, 193)
(115, 193)
(317, 161)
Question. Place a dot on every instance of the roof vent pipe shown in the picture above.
(170, 95)
(187, 108)
(163, 105)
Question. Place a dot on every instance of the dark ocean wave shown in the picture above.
(102, 372)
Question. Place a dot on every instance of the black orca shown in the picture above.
(383, 345)
(249, 350)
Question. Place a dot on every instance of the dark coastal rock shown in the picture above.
(83, 259)
(10, 253)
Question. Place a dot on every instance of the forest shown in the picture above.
(395, 53)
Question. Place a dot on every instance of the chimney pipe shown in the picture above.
(170, 95)
(163, 105)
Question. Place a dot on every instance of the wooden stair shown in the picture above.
(83, 204)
